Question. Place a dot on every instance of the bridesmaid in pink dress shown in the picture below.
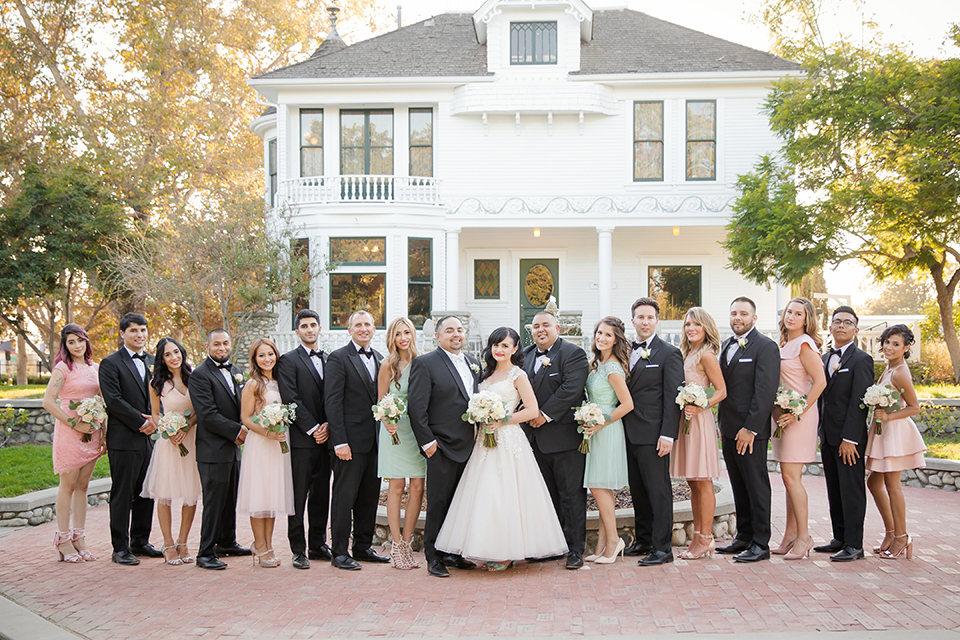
(74, 377)
(266, 477)
(801, 370)
(170, 476)
(899, 445)
(696, 455)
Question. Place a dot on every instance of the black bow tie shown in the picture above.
(139, 356)
(224, 365)
(367, 353)
(316, 354)
(639, 345)
(835, 352)
(540, 354)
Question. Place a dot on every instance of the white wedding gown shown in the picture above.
(502, 509)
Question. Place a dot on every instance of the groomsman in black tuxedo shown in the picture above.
(750, 363)
(656, 370)
(843, 436)
(300, 377)
(350, 389)
(441, 384)
(124, 381)
(558, 372)
(215, 388)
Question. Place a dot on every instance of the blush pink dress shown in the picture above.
(799, 440)
(900, 445)
(266, 477)
(68, 452)
(170, 476)
(696, 455)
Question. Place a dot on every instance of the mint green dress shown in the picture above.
(400, 460)
(606, 466)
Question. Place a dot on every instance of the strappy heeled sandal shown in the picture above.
(62, 537)
(80, 534)
(176, 561)
(188, 559)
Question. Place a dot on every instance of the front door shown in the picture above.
(538, 281)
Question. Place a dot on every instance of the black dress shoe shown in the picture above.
(323, 552)
(125, 557)
(754, 554)
(574, 561)
(211, 562)
(656, 557)
(346, 563)
(300, 561)
(369, 555)
(457, 562)
(232, 550)
(547, 559)
(437, 569)
(637, 549)
(734, 547)
(848, 554)
(834, 546)
(147, 551)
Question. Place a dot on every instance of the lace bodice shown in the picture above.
(599, 389)
(506, 389)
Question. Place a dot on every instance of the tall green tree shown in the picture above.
(869, 170)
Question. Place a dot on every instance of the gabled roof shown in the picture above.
(624, 42)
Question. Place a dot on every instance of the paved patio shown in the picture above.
(103, 600)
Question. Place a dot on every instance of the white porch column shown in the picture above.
(605, 271)
(453, 269)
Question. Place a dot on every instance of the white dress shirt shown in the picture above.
(318, 365)
(140, 364)
(369, 363)
(834, 362)
(466, 375)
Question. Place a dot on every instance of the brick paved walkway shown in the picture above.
(104, 600)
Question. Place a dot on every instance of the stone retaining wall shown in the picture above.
(939, 474)
(38, 507)
(39, 426)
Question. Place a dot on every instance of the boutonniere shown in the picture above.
(545, 362)
(834, 367)
(475, 367)
(238, 378)
(645, 353)
(742, 341)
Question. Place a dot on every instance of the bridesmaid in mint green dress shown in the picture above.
(606, 465)
(400, 461)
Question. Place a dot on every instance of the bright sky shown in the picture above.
(921, 25)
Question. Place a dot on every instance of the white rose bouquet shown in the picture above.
(277, 417)
(170, 424)
(90, 410)
(588, 414)
(883, 396)
(390, 409)
(788, 401)
(485, 408)
(690, 393)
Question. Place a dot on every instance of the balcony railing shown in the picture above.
(362, 189)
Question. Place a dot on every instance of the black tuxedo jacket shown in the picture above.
(300, 383)
(218, 413)
(752, 378)
(349, 395)
(653, 384)
(436, 400)
(841, 417)
(560, 388)
(127, 398)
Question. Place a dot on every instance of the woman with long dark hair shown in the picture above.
(74, 378)
(266, 477)
(502, 510)
(173, 477)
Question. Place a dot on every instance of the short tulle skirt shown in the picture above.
(172, 477)
(266, 479)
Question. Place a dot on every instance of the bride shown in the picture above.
(502, 511)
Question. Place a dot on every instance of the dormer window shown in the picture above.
(533, 43)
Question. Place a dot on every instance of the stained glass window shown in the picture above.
(702, 140)
(486, 279)
(358, 250)
(533, 43)
(647, 141)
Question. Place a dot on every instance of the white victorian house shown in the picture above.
(483, 162)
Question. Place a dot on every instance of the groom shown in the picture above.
(441, 384)
(558, 372)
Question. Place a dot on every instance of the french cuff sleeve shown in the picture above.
(312, 429)
(428, 445)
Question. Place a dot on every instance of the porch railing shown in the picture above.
(366, 189)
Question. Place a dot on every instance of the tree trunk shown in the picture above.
(945, 295)
(21, 360)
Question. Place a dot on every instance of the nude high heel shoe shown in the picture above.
(880, 549)
(621, 545)
(886, 555)
(61, 537)
(80, 534)
(799, 551)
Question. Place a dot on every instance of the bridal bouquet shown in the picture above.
(695, 394)
(277, 417)
(390, 409)
(90, 410)
(883, 396)
(170, 424)
(485, 408)
(788, 401)
(589, 414)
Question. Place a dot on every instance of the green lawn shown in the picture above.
(948, 447)
(8, 392)
(29, 467)
(938, 390)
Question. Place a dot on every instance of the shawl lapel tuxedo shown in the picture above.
(217, 406)
(653, 385)
(349, 394)
(841, 418)
(560, 389)
(752, 378)
(127, 398)
(436, 400)
(301, 383)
